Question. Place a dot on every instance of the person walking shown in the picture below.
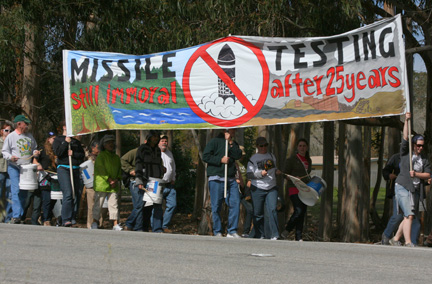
(298, 165)
(390, 173)
(262, 171)
(409, 187)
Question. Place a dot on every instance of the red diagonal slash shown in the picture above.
(227, 80)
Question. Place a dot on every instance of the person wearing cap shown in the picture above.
(262, 171)
(298, 165)
(148, 164)
(409, 184)
(390, 173)
(214, 156)
(18, 149)
(4, 177)
(169, 192)
(61, 146)
(107, 181)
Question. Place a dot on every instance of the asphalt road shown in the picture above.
(35, 254)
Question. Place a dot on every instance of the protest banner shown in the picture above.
(240, 81)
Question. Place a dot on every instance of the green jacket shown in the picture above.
(107, 165)
(213, 153)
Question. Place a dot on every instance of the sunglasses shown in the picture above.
(263, 145)
(7, 130)
(419, 145)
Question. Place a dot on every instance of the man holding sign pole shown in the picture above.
(214, 156)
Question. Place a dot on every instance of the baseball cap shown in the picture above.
(21, 117)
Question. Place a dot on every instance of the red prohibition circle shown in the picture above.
(252, 110)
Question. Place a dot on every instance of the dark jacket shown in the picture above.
(392, 167)
(148, 163)
(404, 177)
(213, 153)
(295, 167)
(60, 147)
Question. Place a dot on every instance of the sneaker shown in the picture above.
(411, 245)
(274, 239)
(74, 222)
(15, 221)
(219, 235)
(385, 240)
(126, 228)
(47, 224)
(300, 240)
(167, 231)
(68, 224)
(94, 225)
(233, 235)
(393, 242)
(245, 235)
(116, 227)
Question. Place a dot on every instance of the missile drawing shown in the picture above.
(226, 60)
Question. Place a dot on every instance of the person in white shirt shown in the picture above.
(19, 148)
(169, 192)
(262, 171)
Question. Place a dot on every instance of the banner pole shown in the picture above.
(71, 172)
(226, 170)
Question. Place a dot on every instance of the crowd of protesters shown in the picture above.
(151, 165)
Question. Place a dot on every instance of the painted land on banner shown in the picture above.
(240, 81)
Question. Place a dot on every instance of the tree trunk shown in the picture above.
(325, 224)
(377, 221)
(30, 93)
(342, 144)
(280, 152)
(352, 198)
(365, 194)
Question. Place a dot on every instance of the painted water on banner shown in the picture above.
(155, 116)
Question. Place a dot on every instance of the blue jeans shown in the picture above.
(135, 219)
(232, 200)
(68, 203)
(403, 200)
(4, 189)
(36, 196)
(170, 195)
(394, 221)
(265, 199)
(47, 205)
(157, 218)
(17, 196)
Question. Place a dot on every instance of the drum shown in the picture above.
(154, 191)
(28, 177)
(318, 184)
(56, 192)
(87, 173)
